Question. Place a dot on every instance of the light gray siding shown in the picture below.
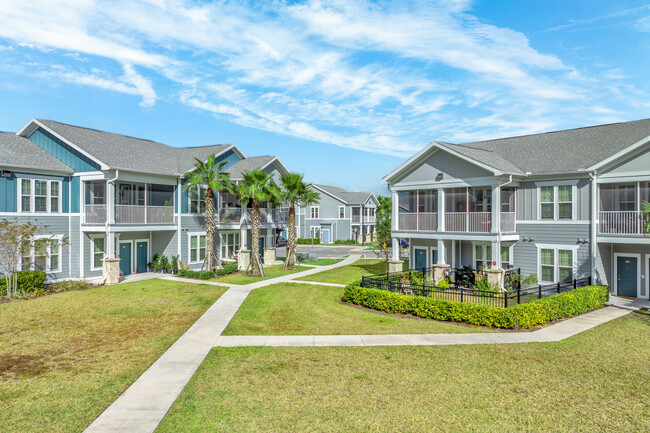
(453, 168)
(528, 200)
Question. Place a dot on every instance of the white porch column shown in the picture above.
(243, 239)
(442, 252)
(593, 230)
(496, 208)
(453, 253)
(395, 255)
(395, 222)
(441, 211)
(110, 202)
(496, 255)
(110, 245)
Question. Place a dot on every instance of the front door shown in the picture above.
(420, 258)
(141, 257)
(326, 236)
(125, 258)
(626, 276)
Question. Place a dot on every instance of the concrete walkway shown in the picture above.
(557, 332)
(144, 404)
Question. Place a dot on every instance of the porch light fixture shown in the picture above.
(6, 173)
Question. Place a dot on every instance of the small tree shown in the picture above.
(16, 239)
(383, 247)
(256, 187)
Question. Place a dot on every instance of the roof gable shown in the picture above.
(20, 152)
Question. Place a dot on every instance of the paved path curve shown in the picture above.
(144, 404)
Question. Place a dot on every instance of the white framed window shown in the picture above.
(506, 257)
(229, 245)
(97, 252)
(314, 232)
(557, 263)
(42, 254)
(482, 255)
(197, 247)
(197, 199)
(314, 212)
(556, 201)
(38, 195)
(341, 212)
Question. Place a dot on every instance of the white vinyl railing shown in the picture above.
(356, 218)
(280, 215)
(508, 222)
(474, 222)
(95, 213)
(159, 214)
(136, 214)
(621, 222)
(230, 215)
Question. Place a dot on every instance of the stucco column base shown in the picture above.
(440, 271)
(269, 256)
(395, 266)
(495, 276)
(244, 260)
(111, 272)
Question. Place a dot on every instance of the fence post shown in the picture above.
(519, 294)
(539, 290)
(589, 280)
(505, 299)
(363, 281)
(558, 287)
(575, 283)
(461, 294)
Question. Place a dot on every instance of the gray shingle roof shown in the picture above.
(130, 153)
(358, 197)
(237, 169)
(19, 152)
(564, 151)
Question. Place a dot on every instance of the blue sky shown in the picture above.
(343, 91)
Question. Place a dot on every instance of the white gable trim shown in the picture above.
(29, 128)
(620, 154)
(435, 146)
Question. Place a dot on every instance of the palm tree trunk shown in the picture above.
(291, 238)
(210, 228)
(256, 262)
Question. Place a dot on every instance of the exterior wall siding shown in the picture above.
(8, 193)
(60, 150)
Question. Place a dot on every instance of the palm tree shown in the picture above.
(212, 175)
(295, 190)
(257, 186)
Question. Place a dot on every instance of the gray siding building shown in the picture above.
(561, 205)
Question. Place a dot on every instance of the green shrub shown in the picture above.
(228, 269)
(484, 285)
(537, 312)
(302, 257)
(205, 275)
(307, 241)
(29, 283)
(345, 242)
(64, 286)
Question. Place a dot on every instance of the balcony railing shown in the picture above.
(425, 221)
(95, 214)
(129, 214)
(508, 222)
(621, 222)
(473, 222)
(356, 218)
(369, 219)
(230, 215)
(280, 215)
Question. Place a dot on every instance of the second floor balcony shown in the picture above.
(620, 208)
(234, 215)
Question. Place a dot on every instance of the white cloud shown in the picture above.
(384, 77)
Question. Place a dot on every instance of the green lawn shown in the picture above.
(321, 262)
(270, 272)
(596, 381)
(305, 309)
(64, 358)
(348, 274)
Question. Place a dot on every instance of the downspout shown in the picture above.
(109, 182)
(592, 225)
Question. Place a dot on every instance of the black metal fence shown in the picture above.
(462, 286)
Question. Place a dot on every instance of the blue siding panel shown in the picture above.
(230, 157)
(65, 199)
(184, 198)
(66, 154)
(8, 193)
(74, 195)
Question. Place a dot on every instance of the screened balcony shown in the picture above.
(417, 210)
(620, 208)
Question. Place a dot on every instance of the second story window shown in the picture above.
(341, 212)
(197, 199)
(38, 195)
(556, 202)
(314, 212)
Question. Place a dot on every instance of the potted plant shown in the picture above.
(174, 264)
(164, 263)
(155, 263)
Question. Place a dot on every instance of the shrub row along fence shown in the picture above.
(457, 287)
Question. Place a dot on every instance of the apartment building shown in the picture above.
(114, 196)
(561, 205)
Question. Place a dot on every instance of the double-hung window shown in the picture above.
(506, 260)
(98, 251)
(315, 232)
(482, 256)
(197, 248)
(341, 212)
(556, 265)
(556, 202)
(41, 196)
(42, 254)
(314, 212)
(197, 199)
(229, 245)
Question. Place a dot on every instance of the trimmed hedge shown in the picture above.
(521, 316)
(307, 241)
(206, 275)
(228, 269)
(29, 283)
